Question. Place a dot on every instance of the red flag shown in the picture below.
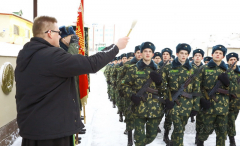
(83, 79)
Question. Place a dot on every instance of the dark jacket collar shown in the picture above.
(212, 64)
(121, 64)
(160, 63)
(141, 65)
(176, 64)
(237, 69)
(193, 64)
(134, 60)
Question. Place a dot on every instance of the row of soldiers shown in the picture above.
(179, 89)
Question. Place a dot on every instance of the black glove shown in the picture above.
(121, 93)
(169, 104)
(135, 99)
(223, 77)
(157, 78)
(74, 39)
(193, 113)
(205, 104)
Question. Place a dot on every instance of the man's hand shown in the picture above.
(157, 78)
(74, 39)
(169, 104)
(205, 104)
(223, 77)
(135, 99)
(122, 43)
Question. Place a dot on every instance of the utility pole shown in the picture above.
(34, 9)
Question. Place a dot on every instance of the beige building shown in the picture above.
(14, 29)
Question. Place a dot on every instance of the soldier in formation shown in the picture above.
(215, 108)
(157, 57)
(215, 114)
(234, 102)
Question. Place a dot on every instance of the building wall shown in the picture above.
(7, 102)
(4, 28)
(8, 25)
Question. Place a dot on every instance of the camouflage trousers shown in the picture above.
(179, 123)
(140, 138)
(130, 122)
(129, 115)
(167, 122)
(120, 102)
(199, 122)
(232, 116)
(217, 123)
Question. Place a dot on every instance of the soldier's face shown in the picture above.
(115, 62)
(138, 55)
(124, 60)
(206, 62)
(232, 60)
(182, 55)
(147, 54)
(197, 57)
(217, 55)
(157, 59)
(130, 58)
(166, 56)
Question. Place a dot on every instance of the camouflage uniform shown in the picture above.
(174, 75)
(147, 112)
(106, 74)
(129, 116)
(168, 121)
(119, 100)
(199, 117)
(215, 118)
(111, 68)
(234, 107)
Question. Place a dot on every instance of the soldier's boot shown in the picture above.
(165, 137)
(169, 143)
(114, 104)
(232, 141)
(200, 143)
(125, 132)
(196, 138)
(120, 117)
(130, 141)
(109, 96)
(159, 130)
(118, 111)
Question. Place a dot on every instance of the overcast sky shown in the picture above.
(163, 22)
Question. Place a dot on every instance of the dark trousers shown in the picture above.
(64, 141)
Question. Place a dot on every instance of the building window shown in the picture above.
(27, 33)
(16, 30)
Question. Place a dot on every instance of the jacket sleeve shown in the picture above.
(127, 83)
(165, 89)
(64, 64)
(196, 92)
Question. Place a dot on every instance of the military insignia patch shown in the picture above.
(174, 71)
(140, 72)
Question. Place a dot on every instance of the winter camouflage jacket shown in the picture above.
(234, 103)
(209, 76)
(135, 78)
(174, 75)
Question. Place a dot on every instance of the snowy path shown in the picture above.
(104, 129)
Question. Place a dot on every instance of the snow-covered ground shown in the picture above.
(104, 129)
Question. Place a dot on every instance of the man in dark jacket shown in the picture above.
(47, 108)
